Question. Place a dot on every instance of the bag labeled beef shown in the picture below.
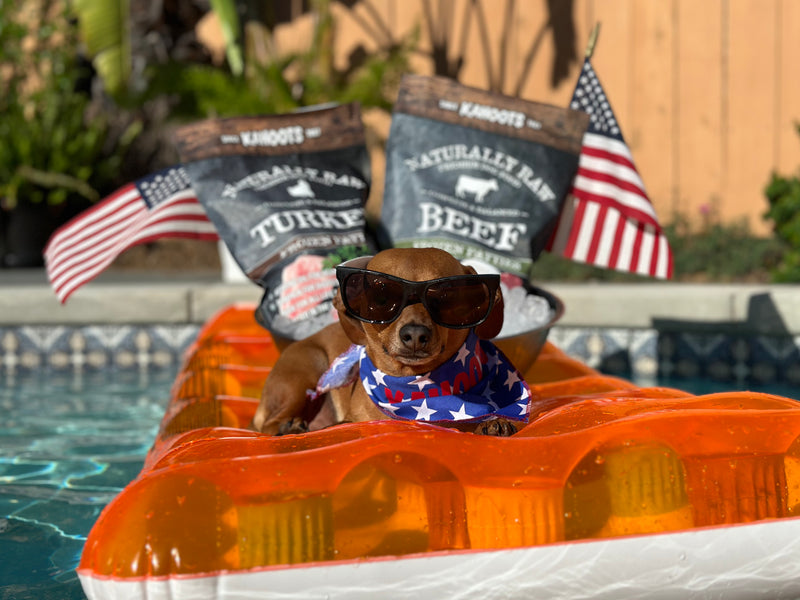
(478, 174)
(286, 194)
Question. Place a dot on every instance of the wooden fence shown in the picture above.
(707, 91)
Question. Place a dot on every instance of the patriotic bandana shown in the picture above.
(476, 383)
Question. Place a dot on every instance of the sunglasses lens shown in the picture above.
(459, 302)
(372, 297)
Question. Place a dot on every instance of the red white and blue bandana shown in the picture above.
(475, 384)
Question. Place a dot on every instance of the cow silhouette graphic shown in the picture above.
(476, 186)
(302, 189)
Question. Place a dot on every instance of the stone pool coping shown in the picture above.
(738, 333)
(167, 298)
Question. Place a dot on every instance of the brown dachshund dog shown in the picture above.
(398, 332)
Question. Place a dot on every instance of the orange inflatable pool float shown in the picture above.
(609, 491)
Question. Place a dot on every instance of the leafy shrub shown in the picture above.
(715, 252)
(783, 194)
(51, 147)
(550, 267)
(267, 84)
(721, 252)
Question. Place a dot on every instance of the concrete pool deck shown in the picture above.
(739, 334)
(126, 297)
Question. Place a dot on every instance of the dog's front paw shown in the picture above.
(497, 427)
(293, 426)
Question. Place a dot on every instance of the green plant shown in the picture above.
(104, 28)
(713, 252)
(255, 79)
(720, 252)
(51, 148)
(550, 267)
(783, 194)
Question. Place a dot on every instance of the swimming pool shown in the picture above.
(70, 443)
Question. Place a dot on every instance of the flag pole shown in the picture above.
(592, 41)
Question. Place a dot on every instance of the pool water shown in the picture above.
(700, 386)
(69, 444)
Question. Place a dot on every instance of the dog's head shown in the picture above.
(414, 342)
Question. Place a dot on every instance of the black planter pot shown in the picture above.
(25, 230)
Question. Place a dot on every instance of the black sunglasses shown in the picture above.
(456, 302)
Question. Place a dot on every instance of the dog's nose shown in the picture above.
(414, 336)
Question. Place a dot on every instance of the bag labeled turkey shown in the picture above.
(286, 194)
(478, 174)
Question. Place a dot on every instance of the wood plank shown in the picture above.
(293, 36)
(531, 31)
(481, 63)
(788, 144)
(360, 26)
(527, 32)
(751, 109)
(612, 55)
(705, 122)
(698, 110)
(651, 137)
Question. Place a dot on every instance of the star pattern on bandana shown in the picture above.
(423, 380)
(369, 387)
(460, 389)
(423, 412)
(379, 376)
(526, 393)
(338, 362)
(512, 378)
(460, 414)
(343, 370)
(493, 360)
(463, 355)
(389, 407)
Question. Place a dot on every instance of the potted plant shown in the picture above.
(58, 152)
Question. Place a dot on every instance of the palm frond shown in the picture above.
(104, 27)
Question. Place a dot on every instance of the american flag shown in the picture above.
(607, 219)
(162, 204)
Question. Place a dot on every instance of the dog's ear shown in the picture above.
(491, 327)
(352, 327)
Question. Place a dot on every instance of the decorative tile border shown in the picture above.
(67, 348)
(641, 353)
(647, 353)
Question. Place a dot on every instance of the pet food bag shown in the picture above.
(478, 174)
(286, 194)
